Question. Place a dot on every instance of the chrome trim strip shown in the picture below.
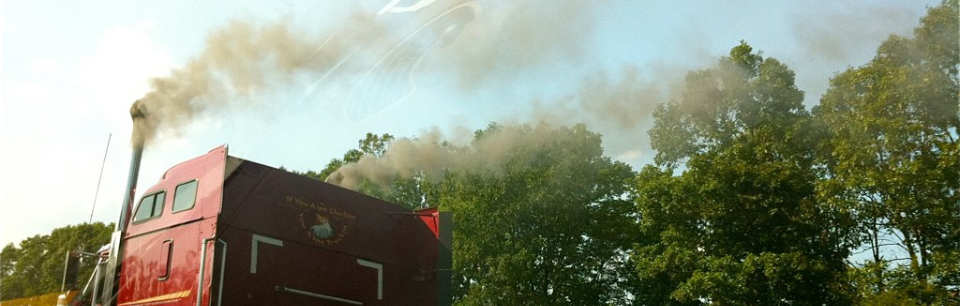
(317, 295)
(379, 267)
(223, 265)
(161, 299)
(253, 249)
(203, 265)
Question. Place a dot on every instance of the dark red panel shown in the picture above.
(318, 238)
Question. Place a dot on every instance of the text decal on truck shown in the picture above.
(323, 224)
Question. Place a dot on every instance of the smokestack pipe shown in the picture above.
(116, 247)
(131, 189)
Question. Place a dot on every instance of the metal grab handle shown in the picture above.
(166, 254)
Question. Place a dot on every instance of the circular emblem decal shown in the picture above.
(322, 224)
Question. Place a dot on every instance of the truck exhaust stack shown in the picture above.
(113, 263)
(137, 143)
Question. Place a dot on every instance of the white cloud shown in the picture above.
(43, 160)
(55, 129)
(631, 156)
(119, 71)
(44, 66)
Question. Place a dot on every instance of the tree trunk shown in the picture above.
(912, 251)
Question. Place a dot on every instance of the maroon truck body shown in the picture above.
(219, 230)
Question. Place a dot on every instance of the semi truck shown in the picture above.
(221, 230)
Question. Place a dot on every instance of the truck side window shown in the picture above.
(151, 206)
(185, 197)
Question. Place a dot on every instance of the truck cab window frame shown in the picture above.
(185, 196)
(150, 207)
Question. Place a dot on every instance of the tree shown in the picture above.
(542, 217)
(547, 223)
(371, 144)
(36, 267)
(406, 191)
(741, 224)
(11, 286)
(892, 157)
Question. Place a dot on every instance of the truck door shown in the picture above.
(163, 249)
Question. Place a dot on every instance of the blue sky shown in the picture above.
(70, 71)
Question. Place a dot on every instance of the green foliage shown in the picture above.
(549, 225)
(36, 266)
(752, 200)
(372, 144)
(891, 155)
(742, 94)
(741, 225)
(406, 191)
(542, 217)
(901, 287)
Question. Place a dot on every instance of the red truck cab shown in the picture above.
(219, 230)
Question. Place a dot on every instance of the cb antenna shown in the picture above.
(97, 192)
